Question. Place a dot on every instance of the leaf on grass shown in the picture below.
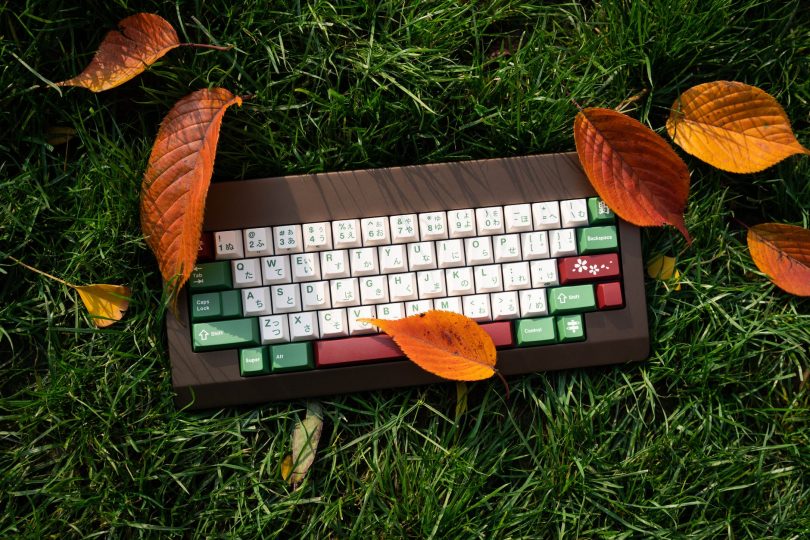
(662, 267)
(732, 126)
(58, 135)
(105, 303)
(126, 53)
(782, 252)
(462, 391)
(305, 439)
(177, 178)
(446, 344)
(633, 170)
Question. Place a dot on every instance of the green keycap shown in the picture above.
(597, 239)
(599, 213)
(573, 299)
(253, 361)
(231, 304)
(225, 334)
(205, 307)
(570, 328)
(214, 276)
(535, 331)
(291, 357)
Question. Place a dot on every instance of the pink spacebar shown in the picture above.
(355, 350)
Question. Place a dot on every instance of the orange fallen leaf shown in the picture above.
(782, 252)
(633, 169)
(177, 178)
(446, 344)
(732, 126)
(126, 53)
(105, 303)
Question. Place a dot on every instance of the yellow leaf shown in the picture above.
(663, 267)
(286, 467)
(105, 303)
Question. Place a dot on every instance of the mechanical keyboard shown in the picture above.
(287, 265)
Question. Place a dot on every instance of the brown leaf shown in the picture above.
(633, 170)
(177, 179)
(105, 303)
(446, 344)
(306, 435)
(782, 252)
(732, 126)
(124, 54)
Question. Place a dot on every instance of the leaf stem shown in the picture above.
(40, 272)
(207, 46)
(503, 380)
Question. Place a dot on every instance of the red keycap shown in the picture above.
(589, 268)
(206, 250)
(609, 295)
(361, 349)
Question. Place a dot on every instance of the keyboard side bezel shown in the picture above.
(212, 379)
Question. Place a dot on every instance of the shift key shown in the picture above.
(575, 299)
(225, 334)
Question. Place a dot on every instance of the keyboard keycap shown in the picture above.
(287, 239)
(286, 298)
(304, 326)
(205, 252)
(573, 299)
(254, 361)
(574, 213)
(570, 328)
(534, 245)
(402, 287)
(364, 261)
(609, 295)
(562, 242)
(375, 231)
(541, 331)
(205, 307)
(544, 273)
(546, 215)
(476, 307)
(332, 323)
(597, 239)
(417, 307)
(246, 273)
(599, 213)
(518, 218)
(315, 296)
(274, 329)
(449, 304)
(393, 259)
(404, 229)
(276, 270)
(488, 278)
(504, 306)
(214, 276)
(317, 236)
(225, 334)
(291, 357)
(433, 226)
(589, 268)
(258, 242)
(450, 253)
(346, 233)
(459, 281)
(228, 245)
(306, 267)
(345, 292)
(479, 250)
(335, 264)
(361, 312)
(461, 223)
(533, 303)
(489, 220)
(421, 256)
(507, 248)
(256, 302)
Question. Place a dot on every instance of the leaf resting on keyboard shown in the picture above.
(783, 253)
(632, 168)
(177, 179)
(446, 344)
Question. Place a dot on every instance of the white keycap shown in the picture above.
(544, 273)
(489, 220)
(518, 218)
(228, 245)
(461, 223)
(433, 226)
(276, 270)
(246, 273)
(431, 284)
(421, 256)
(345, 292)
(516, 276)
(332, 323)
(391, 311)
(417, 307)
(256, 301)
(274, 329)
(315, 295)
(479, 250)
(373, 290)
(450, 253)
(361, 312)
(286, 298)
(393, 259)
(476, 307)
(304, 326)
(546, 215)
(375, 231)
(335, 264)
(317, 236)
(504, 306)
(364, 261)
(562, 242)
(258, 242)
(574, 213)
(402, 287)
(306, 267)
(449, 304)
(346, 233)
(488, 278)
(287, 239)
(533, 303)
(534, 245)
(404, 228)
(506, 248)
(459, 281)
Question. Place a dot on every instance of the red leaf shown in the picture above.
(782, 252)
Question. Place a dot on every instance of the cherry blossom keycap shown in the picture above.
(288, 265)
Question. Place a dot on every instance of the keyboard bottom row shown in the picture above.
(305, 355)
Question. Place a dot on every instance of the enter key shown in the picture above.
(574, 299)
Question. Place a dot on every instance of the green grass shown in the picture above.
(709, 438)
